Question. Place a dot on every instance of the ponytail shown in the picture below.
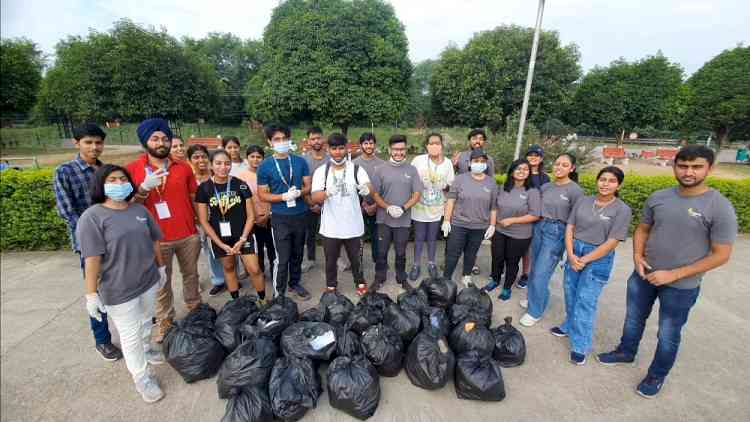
(573, 174)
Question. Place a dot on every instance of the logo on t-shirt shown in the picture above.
(141, 219)
(693, 213)
(522, 196)
(604, 217)
(486, 189)
(564, 197)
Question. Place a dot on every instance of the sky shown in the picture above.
(688, 32)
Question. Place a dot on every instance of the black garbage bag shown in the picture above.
(429, 361)
(232, 315)
(510, 346)
(347, 342)
(312, 340)
(415, 299)
(404, 320)
(249, 365)
(476, 298)
(280, 314)
(472, 336)
(478, 377)
(314, 314)
(294, 388)
(354, 386)
(191, 348)
(338, 307)
(461, 313)
(436, 321)
(441, 292)
(249, 329)
(363, 317)
(250, 405)
(203, 314)
(375, 300)
(384, 348)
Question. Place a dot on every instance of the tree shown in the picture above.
(483, 83)
(21, 65)
(419, 111)
(719, 95)
(332, 61)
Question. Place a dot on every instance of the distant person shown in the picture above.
(167, 188)
(71, 185)
(437, 174)
(231, 144)
(262, 229)
(684, 232)
(124, 269)
(315, 156)
(177, 152)
(397, 187)
(537, 177)
(369, 161)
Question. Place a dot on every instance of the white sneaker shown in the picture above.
(149, 389)
(524, 303)
(154, 357)
(528, 320)
(468, 281)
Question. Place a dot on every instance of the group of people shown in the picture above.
(128, 223)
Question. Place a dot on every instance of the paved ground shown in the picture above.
(50, 371)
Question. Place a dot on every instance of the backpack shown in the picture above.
(328, 167)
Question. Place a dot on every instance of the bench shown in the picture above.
(610, 154)
(20, 163)
(648, 154)
(665, 156)
(210, 143)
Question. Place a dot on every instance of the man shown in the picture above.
(71, 186)
(283, 180)
(369, 161)
(684, 232)
(167, 188)
(315, 157)
(338, 185)
(396, 188)
(462, 160)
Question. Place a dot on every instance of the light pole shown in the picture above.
(529, 78)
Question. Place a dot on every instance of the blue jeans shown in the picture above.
(674, 307)
(547, 247)
(582, 290)
(214, 265)
(99, 328)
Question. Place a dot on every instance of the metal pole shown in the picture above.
(529, 77)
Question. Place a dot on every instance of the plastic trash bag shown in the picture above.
(461, 313)
(249, 365)
(510, 346)
(441, 292)
(472, 336)
(231, 316)
(249, 405)
(478, 377)
(314, 314)
(384, 348)
(429, 361)
(404, 320)
(375, 300)
(191, 348)
(338, 307)
(280, 314)
(354, 386)
(313, 340)
(436, 321)
(415, 299)
(363, 317)
(294, 388)
(475, 298)
(347, 342)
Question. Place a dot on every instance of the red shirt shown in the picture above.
(176, 192)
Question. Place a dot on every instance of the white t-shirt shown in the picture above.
(237, 168)
(341, 217)
(435, 178)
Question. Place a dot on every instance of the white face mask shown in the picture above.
(282, 147)
(478, 168)
(340, 162)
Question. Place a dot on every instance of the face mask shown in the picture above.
(339, 162)
(396, 163)
(282, 147)
(477, 167)
(117, 191)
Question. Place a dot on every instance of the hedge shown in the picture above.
(30, 220)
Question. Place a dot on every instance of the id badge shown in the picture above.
(225, 228)
(162, 210)
(291, 203)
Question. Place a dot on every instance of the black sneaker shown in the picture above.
(577, 358)
(557, 332)
(217, 290)
(523, 281)
(615, 357)
(650, 386)
(109, 352)
(300, 291)
(415, 272)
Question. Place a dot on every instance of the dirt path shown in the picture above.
(641, 168)
(115, 154)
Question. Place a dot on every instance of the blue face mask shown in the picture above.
(117, 191)
(477, 167)
(282, 147)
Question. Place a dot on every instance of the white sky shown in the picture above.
(688, 32)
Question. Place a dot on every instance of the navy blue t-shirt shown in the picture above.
(268, 175)
(537, 180)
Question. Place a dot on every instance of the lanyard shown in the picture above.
(160, 189)
(223, 206)
(291, 174)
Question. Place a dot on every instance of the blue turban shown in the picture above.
(149, 126)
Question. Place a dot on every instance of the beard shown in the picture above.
(160, 152)
(696, 182)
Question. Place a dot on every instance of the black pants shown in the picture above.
(264, 242)
(332, 250)
(288, 232)
(399, 236)
(507, 252)
(462, 240)
(312, 220)
(371, 227)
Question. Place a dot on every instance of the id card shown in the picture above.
(225, 228)
(291, 203)
(162, 210)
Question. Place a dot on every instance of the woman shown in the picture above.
(178, 149)
(518, 208)
(596, 226)
(197, 156)
(548, 241)
(226, 212)
(123, 270)
(469, 215)
(437, 174)
(537, 176)
(231, 144)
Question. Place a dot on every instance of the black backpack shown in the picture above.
(328, 168)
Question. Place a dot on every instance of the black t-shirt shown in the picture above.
(232, 201)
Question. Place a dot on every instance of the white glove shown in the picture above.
(489, 233)
(154, 179)
(446, 228)
(94, 306)
(394, 211)
(162, 277)
(363, 189)
(291, 194)
(296, 192)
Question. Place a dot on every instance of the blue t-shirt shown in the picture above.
(268, 175)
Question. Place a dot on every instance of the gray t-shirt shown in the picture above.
(517, 203)
(464, 164)
(475, 200)
(683, 229)
(596, 225)
(558, 200)
(369, 166)
(125, 241)
(396, 184)
(313, 163)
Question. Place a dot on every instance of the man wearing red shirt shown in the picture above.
(167, 188)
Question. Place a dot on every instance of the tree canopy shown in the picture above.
(21, 65)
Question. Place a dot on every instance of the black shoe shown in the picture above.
(217, 290)
(415, 272)
(615, 357)
(577, 358)
(650, 386)
(109, 352)
(522, 282)
(300, 291)
(432, 270)
(557, 332)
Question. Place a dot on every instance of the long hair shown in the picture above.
(510, 182)
(573, 174)
(96, 188)
(615, 171)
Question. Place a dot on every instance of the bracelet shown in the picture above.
(243, 238)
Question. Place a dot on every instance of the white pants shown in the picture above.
(133, 320)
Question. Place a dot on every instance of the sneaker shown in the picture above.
(577, 358)
(557, 332)
(475, 270)
(432, 270)
(490, 286)
(504, 294)
(330, 289)
(523, 281)
(650, 386)
(415, 273)
(154, 357)
(406, 286)
(361, 289)
(217, 290)
(300, 291)
(149, 389)
(109, 352)
(524, 303)
(528, 320)
(468, 282)
(615, 357)
(307, 266)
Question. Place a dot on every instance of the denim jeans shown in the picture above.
(99, 328)
(214, 265)
(547, 247)
(582, 290)
(674, 308)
